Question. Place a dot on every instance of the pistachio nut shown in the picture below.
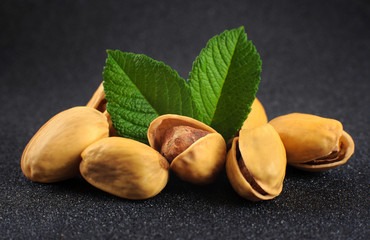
(53, 153)
(125, 168)
(256, 163)
(196, 151)
(256, 117)
(99, 102)
(313, 143)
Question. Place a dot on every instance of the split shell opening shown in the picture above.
(263, 157)
(202, 161)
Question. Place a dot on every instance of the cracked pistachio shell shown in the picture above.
(313, 143)
(99, 102)
(53, 153)
(125, 168)
(203, 160)
(256, 117)
(256, 163)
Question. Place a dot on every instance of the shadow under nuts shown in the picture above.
(196, 151)
(125, 168)
(53, 153)
(313, 143)
(256, 163)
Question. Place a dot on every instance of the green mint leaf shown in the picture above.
(224, 81)
(139, 89)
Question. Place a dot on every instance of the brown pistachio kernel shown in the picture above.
(178, 139)
(196, 151)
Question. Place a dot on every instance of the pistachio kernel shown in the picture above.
(178, 139)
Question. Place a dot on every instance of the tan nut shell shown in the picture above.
(53, 153)
(125, 168)
(203, 160)
(308, 139)
(256, 117)
(265, 158)
(99, 102)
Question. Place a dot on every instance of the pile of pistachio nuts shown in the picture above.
(82, 141)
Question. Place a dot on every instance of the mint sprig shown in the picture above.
(220, 90)
(224, 81)
(139, 89)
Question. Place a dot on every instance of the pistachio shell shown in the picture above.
(313, 143)
(125, 168)
(161, 124)
(203, 160)
(262, 155)
(53, 153)
(99, 102)
(256, 117)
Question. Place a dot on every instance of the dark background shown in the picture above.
(315, 58)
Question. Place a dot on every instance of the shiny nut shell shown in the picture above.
(347, 144)
(256, 117)
(313, 143)
(53, 153)
(99, 102)
(265, 160)
(125, 168)
(203, 160)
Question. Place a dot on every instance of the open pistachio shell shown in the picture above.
(256, 163)
(53, 153)
(313, 143)
(256, 117)
(199, 163)
(125, 168)
(99, 102)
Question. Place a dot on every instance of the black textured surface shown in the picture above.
(315, 60)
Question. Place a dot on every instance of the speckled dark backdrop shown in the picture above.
(316, 59)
